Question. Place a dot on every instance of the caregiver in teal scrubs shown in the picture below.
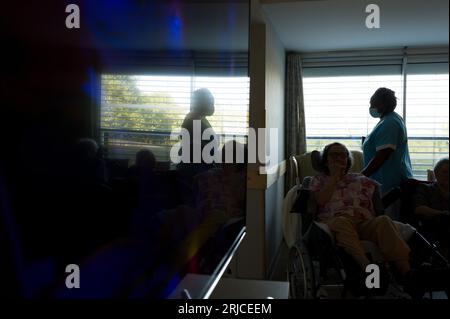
(386, 154)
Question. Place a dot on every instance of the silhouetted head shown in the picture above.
(441, 173)
(145, 160)
(202, 102)
(86, 149)
(336, 153)
(382, 102)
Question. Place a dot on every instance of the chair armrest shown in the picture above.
(325, 228)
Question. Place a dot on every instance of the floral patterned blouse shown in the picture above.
(352, 196)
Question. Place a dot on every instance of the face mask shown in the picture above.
(374, 112)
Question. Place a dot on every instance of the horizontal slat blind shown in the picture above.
(337, 102)
(140, 111)
(187, 63)
(427, 115)
(337, 99)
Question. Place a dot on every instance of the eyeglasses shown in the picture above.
(338, 155)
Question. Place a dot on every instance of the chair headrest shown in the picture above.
(316, 160)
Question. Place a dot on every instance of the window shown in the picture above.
(140, 111)
(427, 119)
(337, 101)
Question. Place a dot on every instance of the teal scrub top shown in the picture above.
(390, 132)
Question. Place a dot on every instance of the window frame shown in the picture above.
(405, 59)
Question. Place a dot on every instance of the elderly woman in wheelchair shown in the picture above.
(344, 202)
(349, 208)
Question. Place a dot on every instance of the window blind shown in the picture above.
(427, 114)
(140, 111)
(337, 102)
(337, 90)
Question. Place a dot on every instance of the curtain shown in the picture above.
(295, 132)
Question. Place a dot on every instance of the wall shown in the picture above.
(275, 75)
(265, 192)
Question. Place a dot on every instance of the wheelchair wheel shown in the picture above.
(301, 273)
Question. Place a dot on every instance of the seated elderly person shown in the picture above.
(432, 209)
(344, 203)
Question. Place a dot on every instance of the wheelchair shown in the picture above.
(318, 269)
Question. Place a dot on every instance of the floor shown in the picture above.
(279, 273)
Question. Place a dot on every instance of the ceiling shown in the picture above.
(216, 25)
(172, 25)
(329, 25)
